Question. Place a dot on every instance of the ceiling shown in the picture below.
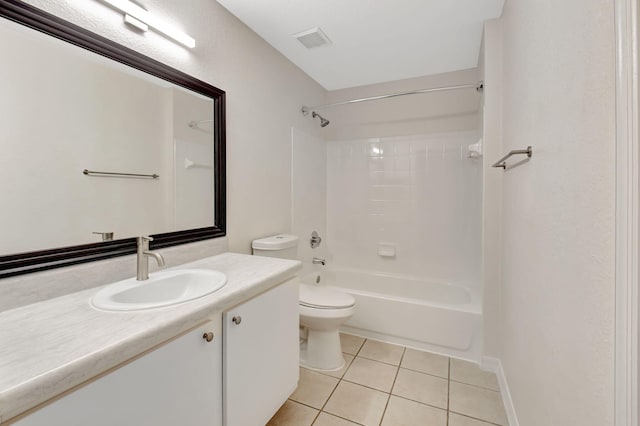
(373, 41)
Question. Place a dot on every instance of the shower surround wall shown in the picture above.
(397, 174)
(418, 194)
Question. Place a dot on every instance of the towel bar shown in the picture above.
(503, 161)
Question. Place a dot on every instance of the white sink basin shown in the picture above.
(163, 288)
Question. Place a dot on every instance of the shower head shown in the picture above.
(323, 121)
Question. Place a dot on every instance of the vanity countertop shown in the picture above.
(49, 347)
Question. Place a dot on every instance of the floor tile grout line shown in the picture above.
(389, 394)
(343, 380)
(325, 402)
(393, 365)
(322, 411)
(330, 395)
(418, 402)
(381, 362)
(384, 412)
(347, 366)
(397, 396)
(302, 403)
(385, 409)
(340, 417)
(376, 361)
(477, 418)
(398, 366)
(360, 348)
(422, 372)
(352, 381)
(415, 371)
(419, 350)
(336, 386)
(306, 405)
(366, 386)
(316, 417)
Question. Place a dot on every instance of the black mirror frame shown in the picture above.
(24, 263)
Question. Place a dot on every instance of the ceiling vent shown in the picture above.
(312, 38)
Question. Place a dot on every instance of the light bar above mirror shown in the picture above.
(142, 18)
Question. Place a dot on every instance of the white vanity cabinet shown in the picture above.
(261, 355)
(251, 365)
(177, 384)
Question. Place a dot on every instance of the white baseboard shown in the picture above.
(494, 365)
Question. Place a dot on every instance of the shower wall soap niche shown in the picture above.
(386, 250)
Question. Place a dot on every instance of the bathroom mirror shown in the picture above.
(100, 144)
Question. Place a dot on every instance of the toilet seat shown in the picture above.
(318, 297)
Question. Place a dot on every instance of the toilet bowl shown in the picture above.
(322, 312)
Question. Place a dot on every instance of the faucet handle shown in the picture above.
(143, 242)
(315, 240)
(106, 236)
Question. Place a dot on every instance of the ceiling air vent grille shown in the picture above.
(312, 38)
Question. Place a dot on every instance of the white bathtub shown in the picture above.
(439, 317)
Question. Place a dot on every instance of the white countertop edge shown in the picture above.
(37, 389)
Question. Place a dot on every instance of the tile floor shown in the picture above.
(389, 385)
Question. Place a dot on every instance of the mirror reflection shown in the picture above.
(64, 110)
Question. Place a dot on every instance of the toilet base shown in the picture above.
(322, 350)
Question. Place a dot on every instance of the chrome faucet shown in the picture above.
(318, 261)
(143, 258)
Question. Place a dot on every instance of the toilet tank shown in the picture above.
(284, 246)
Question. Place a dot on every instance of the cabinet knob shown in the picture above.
(237, 319)
(208, 336)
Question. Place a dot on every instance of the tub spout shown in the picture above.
(318, 261)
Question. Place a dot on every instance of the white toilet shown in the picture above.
(322, 310)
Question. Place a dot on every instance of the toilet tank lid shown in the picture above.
(275, 242)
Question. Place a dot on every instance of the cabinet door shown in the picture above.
(261, 355)
(179, 383)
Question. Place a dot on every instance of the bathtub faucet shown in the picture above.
(318, 261)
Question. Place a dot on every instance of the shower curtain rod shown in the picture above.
(478, 86)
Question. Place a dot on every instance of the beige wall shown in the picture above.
(491, 70)
(264, 95)
(406, 115)
(309, 194)
(557, 295)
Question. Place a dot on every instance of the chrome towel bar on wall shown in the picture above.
(503, 161)
(125, 175)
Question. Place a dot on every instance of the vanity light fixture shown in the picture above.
(136, 23)
(142, 19)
